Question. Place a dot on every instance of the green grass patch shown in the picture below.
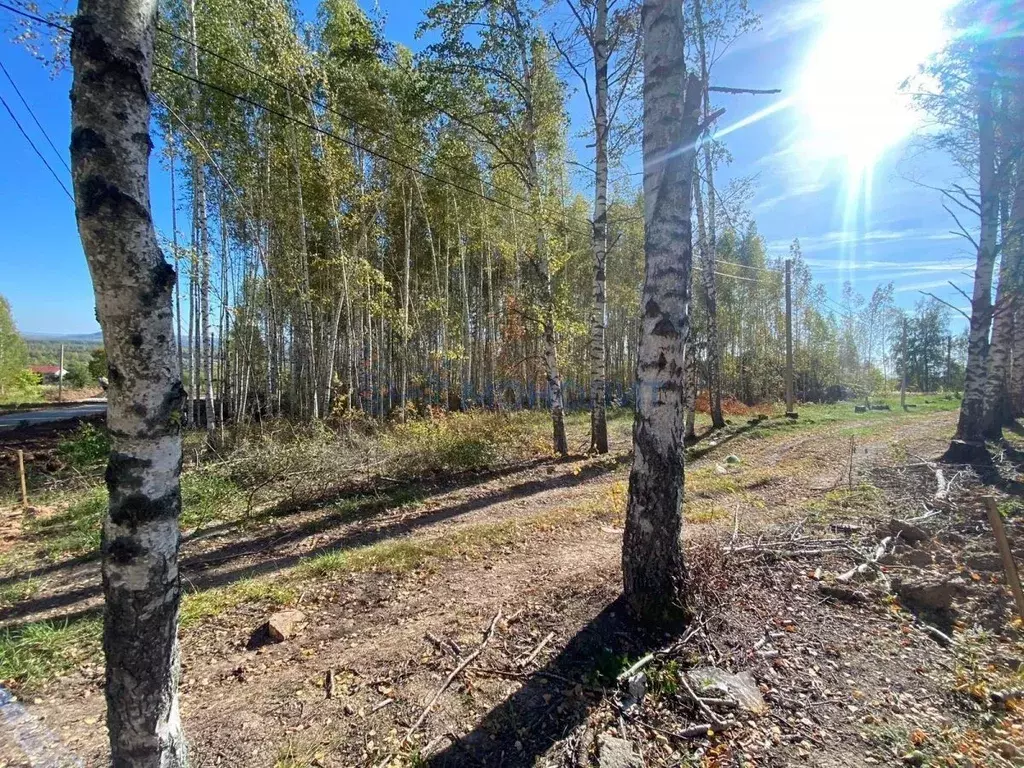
(74, 531)
(862, 499)
(37, 652)
(467, 542)
(197, 606)
(17, 591)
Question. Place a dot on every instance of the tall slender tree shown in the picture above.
(112, 56)
(652, 556)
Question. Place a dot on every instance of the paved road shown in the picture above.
(46, 415)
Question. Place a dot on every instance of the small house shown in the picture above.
(50, 374)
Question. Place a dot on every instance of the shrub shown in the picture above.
(88, 447)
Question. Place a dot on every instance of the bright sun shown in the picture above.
(848, 97)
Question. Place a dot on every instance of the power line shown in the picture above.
(36, 149)
(297, 121)
(337, 137)
(748, 266)
(308, 98)
(34, 118)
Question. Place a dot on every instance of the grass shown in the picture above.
(468, 542)
(37, 652)
(16, 592)
(862, 499)
(197, 606)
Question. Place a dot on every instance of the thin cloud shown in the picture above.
(798, 191)
(925, 286)
(814, 243)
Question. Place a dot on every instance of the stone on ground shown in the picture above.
(281, 625)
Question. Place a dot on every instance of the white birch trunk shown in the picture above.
(969, 438)
(112, 56)
(652, 556)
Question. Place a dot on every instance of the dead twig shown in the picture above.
(451, 677)
(536, 651)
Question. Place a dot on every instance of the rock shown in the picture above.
(1007, 750)
(613, 752)
(989, 562)
(740, 687)
(914, 758)
(934, 593)
(908, 531)
(922, 558)
(281, 625)
(732, 458)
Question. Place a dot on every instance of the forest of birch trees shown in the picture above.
(361, 232)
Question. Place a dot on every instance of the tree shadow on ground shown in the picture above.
(994, 473)
(553, 700)
(696, 451)
(206, 570)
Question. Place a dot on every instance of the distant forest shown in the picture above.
(48, 352)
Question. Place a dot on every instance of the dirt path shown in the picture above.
(247, 703)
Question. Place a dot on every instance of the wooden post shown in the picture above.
(60, 377)
(21, 475)
(789, 336)
(903, 378)
(1009, 566)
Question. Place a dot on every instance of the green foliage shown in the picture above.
(22, 387)
(97, 364)
(77, 375)
(88, 447)
(13, 355)
(206, 496)
(34, 653)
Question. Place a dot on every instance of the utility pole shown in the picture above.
(60, 377)
(789, 339)
(949, 362)
(903, 354)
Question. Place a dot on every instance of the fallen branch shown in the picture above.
(868, 566)
(451, 677)
(540, 647)
(701, 704)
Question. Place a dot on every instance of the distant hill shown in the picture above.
(66, 338)
(44, 348)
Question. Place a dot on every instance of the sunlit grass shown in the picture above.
(37, 652)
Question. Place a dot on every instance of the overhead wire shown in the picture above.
(297, 121)
(35, 119)
(36, 149)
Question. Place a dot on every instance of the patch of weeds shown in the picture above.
(87, 448)
(467, 542)
(607, 667)
(34, 653)
(17, 591)
(75, 531)
(702, 513)
(306, 749)
(197, 606)
(664, 680)
(206, 496)
(899, 453)
(708, 482)
(862, 498)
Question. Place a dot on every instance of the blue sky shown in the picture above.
(806, 154)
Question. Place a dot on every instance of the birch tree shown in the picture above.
(112, 56)
(614, 52)
(652, 557)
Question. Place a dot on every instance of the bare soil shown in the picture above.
(852, 680)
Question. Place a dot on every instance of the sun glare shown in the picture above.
(849, 101)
